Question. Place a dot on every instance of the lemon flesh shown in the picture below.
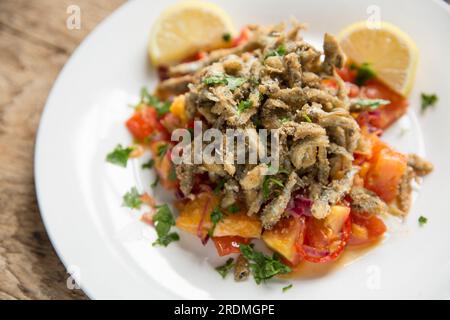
(391, 53)
(187, 28)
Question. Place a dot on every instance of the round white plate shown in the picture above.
(109, 251)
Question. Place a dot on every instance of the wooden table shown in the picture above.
(35, 42)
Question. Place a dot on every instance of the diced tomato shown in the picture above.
(243, 37)
(353, 89)
(386, 114)
(317, 236)
(229, 244)
(283, 237)
(366, 229)
(385, 173)
(171, 122)
(319, 242)
(143, 123)
(331, 83)
(347, 74)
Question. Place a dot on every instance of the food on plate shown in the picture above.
(336, 179)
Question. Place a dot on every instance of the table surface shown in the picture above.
(35, 42)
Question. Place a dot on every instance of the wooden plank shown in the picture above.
(34, 45)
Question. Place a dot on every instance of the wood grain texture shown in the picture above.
(34, 45)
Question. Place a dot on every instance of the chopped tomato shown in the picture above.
(330, 83)
(243, 37)
(318, 243)
(385, 173)
(347, 74)
(143, 123)
(353, 89)
(229, 244)
(386, 114)
(283, 236)
(366, 228)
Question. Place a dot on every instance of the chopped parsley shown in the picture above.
(219, 187)
(233, 208)
(428, 100)
(423, 220)
(155, 182)
(226, 37)
(267, 183)
(226, 268)
(132, 199)
(307, 118)
(119, 155)
(263, 267)
(279, 51)
(244, 105)
(162, 149)
(161, 107)
(172, 174)
(216, 217)
(363, 73)
(164, 220)
(284, 119)
(371, 104)
(149, 164)
(231, 82)
(287, 287)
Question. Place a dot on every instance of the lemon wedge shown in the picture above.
(390, 52)
(186, 28)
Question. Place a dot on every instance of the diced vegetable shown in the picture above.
(177, 108)
(144, 122)
(385, 173)
(366, 229)
(195, 215)
(229, 244)
(282, 238)
(239, 224)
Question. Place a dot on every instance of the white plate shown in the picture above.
(110, 251)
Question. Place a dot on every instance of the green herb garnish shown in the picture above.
(263, 267)
(161, 107)
(219, 187)
(307, 118)
(244, 105)
(423, 220)
(428, 100)
(231, 82)
(172, 174)
(149, 164)
(233, 208)
(216, 217)
(279, 51)
(119, 155)
(226, 37)
(162, 149)
(370, 103)
(226, 268)
(363, 73)
(155, 182)
(132, 199)
(284, 119)
(287, 287)
(164, 220)
(267, 183)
